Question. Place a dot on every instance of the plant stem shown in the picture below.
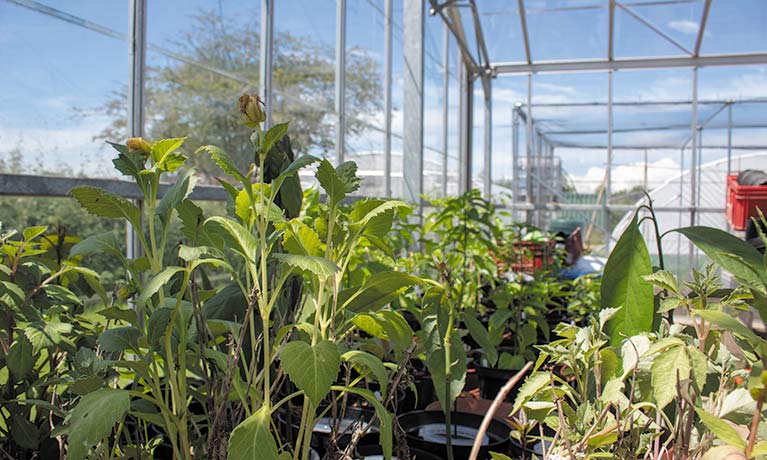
(755, 423)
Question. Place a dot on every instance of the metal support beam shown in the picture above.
(702, 27)
(267, 47)
(466, 127)
(340, 79)
(137, 63)
(529, 147)
(387, 95)
(729, 139)
(609, 168)
(412, 105)
(694, 156)
(488, 153)
(515, 157)
(597, 65)
(445, 104)
(452, 18)
(610, 31)
(523, 23)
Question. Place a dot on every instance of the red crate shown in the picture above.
(742, 201)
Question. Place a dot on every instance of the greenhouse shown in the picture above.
(383, 229)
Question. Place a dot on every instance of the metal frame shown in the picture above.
(412, 104)
(340, 73)
(265, 63)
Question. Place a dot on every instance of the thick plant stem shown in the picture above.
(448, 402)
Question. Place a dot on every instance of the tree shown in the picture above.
(182, 98)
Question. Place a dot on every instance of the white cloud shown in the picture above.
(625, 177)
(684, 26)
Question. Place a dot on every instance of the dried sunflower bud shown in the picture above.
(252, 109)
(138, 145)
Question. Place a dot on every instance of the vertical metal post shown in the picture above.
(529, 150)
(645, 172)
(609, 170)
(445, 104)
(412, 104)
(137, 55)
(515, 159)
(729, 138)
(694, 164)
(700, 170)
(466, 109)
(387, 95)
(538, 165)
(488, 156)
(340, 78)
(267, 47)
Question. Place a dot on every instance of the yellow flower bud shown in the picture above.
(138, 145)
(252, 109)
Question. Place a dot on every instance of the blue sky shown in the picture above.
(56, 76)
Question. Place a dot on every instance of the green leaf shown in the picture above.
(347, 172)
(301, 239)
(665, 370)
(119, 339)
(536, 382)
(30, 233)
(104, 204)
(728, 323)
(319, 266)
(192, 220)
(47, 334)
(378, 290)
(721, 429)
(225, 162)
(372, 363)
(24, 432)
(101, 243)
(162, 148)
(330, 182)
(176, 194)
(622, 285)
(437, 368)
(479, 333)
(237, 237)
(252, 439)
(760, 448)
(664, 280)
(274, 134)
(298, 164)
(60, 294)
(154, 285)
(718, 245)
(312, 368)
(93, 419)
(20, 358)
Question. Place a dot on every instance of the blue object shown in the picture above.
(585, 265)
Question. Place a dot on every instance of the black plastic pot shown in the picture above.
(491, 381)
(375, 453)
(425, 430)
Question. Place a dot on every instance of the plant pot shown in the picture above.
(425, 430)
(375, 453)
(491, 380)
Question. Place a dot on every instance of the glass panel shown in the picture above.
(201, 57)
(365, 93)
(567, 34)
(502, 29)
(736, 26)
(678, 21)
(64, 89)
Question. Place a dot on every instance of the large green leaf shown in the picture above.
(330, 182)
(623, 286)
(347, 172)
(377, 291)
(156, 284)
(105, 204)
(666, 368)
(319, 266)
(299, 163)
(176, 194)
(301, 239)
(119, 339)
(20, 358)
(480, 334)
(93, 419)
(536, 382)
(274, 134)
(163, 149)
(372, 363)
(312, 368)
(225, 162)
(47, 334)
(720, 246)
(252, 439)
(728, 323)
(237, 237)
(433, 341)
(721, 429)
(99, 243)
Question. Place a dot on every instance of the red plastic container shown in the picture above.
(742, 201)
